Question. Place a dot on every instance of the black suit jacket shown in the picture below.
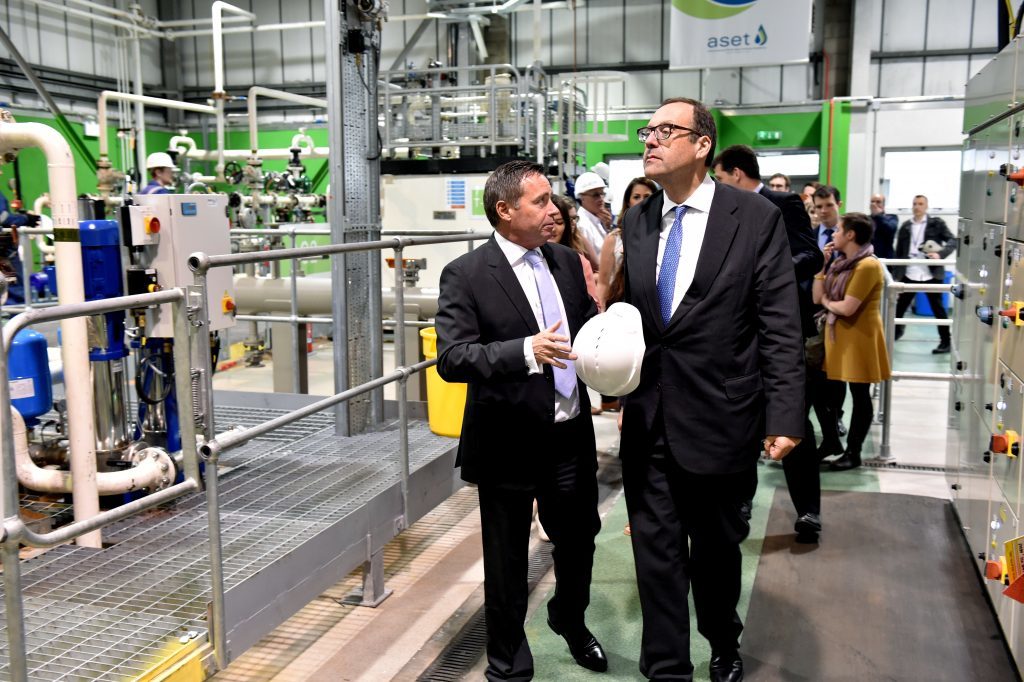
(728, 368)
(934, 229)
(482, 318)
(885, 233)
(807, 257)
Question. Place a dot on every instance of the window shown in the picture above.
(934, 173)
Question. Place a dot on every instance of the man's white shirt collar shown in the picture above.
(700, 200)
(513, 252)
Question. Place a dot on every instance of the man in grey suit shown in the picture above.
(709, 268)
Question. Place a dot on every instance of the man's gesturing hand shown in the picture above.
(550, 348)
(778, 447)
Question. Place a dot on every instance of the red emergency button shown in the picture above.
(999, 443)
(1010, 313)
(152, 225)
(227, 304)
(993, 571)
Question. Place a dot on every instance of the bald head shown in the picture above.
(877, 204)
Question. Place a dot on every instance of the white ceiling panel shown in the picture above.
(604, 28)
(986, 17)
(900, 78)
(681, 84)
(298, 67)
(760, 84)
(948, 22)
(643, 31)
(794, 82)
(903, 24)
(945, 75)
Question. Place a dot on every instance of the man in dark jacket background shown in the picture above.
(925, 237)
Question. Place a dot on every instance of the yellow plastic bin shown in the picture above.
(445, 402)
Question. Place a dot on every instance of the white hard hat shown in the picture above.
(602, 169)
(610, 350)
(588, 181)
(159, 160)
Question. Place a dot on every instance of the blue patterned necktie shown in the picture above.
(565, 379)
(669, 265)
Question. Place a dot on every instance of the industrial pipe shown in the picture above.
(273, 295)
(74, 335)
(41, 202)
(258, 91)
(101, 110)
(155, 469)
(219, 95)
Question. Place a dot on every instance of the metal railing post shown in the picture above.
(296, 340)
(14, 613)
(183, 388)
(892, 292)
(203, 384)
(403, 425)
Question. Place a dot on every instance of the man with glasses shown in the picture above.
(709, 268)
(595, 217)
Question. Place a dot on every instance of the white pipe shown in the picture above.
(539, 104)
(244, 154)
(256, 91)
(181, 144)
(218, 74)
(140, 111)
(101, 110)
(302, 141)
(41, 202)
(155, 469)
(100, 18)
(74, 335)
(290, 26)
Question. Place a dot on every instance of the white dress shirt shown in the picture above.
(695, 224)
(918, 273)
(591, 228)
(565, 408)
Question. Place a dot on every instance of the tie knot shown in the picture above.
(533, 257)
(680, 210)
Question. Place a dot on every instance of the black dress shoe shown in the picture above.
(826, 450)
(849, 460)
(941, 348)
(584, 647)
(726, 667)
(808, 524)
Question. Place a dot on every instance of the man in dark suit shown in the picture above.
(506, 317)
(737, 166)
(885, 227)
(710, 271)
(912, 242)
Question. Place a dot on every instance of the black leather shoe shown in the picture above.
(585, 648)
(941, 348)
(726, 667)
(825, 450)
(849, 460)
(808, 524)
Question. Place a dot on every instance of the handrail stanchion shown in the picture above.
(15, 611)
(201, 344)
(892, 291)
(403, 384)
(183, 388)
(296, 337)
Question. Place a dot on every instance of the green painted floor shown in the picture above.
(614, 613)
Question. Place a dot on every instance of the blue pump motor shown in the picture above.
(29, 374)
(102, 273)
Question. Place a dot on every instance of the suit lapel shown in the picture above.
(647, 255)
(718, 238)
(509, 283)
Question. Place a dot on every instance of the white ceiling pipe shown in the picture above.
(106, 95)
(243, 154)
(197, 21)
(100, 19)
(219, 95)
(258, 91)
(287, 26)
(74, 335)
(41, 202)
(149, 473)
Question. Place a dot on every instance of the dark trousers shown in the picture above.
(828, 400)
(686, 528)
(566, 494)
(860, 420)
(934, 300)
(801, 465)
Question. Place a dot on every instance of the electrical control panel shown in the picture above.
(165, 229)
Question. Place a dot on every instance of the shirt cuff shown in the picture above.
(532, 366)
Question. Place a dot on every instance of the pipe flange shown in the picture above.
(156, 458)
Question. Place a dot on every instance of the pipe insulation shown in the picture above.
(74, 334)
(254, 295)
(154, 469)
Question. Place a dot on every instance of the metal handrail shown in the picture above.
(213, 444)
(891, 292)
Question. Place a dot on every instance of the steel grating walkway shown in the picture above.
(107, 614)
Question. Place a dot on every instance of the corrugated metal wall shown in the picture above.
(616, 33)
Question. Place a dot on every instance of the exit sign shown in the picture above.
(769, 135)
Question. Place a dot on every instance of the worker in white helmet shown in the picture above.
(161, 173)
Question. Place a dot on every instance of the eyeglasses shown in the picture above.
(663, 131)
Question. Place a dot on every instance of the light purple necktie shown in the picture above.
(565, 379)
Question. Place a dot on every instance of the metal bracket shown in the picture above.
(373, 591)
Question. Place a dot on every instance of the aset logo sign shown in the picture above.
(712, 9)
(739, 41)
